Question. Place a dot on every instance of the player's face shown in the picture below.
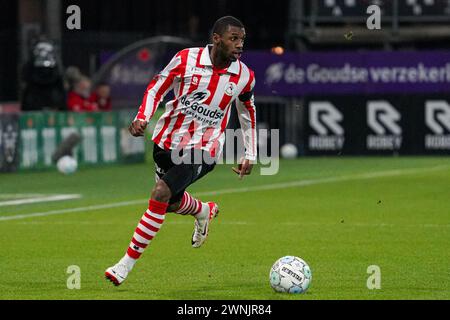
(231, 43)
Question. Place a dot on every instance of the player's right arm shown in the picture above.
(160, 85)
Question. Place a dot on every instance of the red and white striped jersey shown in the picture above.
(199, 113)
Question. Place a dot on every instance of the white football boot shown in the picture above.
(117, 273)
(201, 224)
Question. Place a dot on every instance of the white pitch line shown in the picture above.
(246, 223)
(304, 183)
(70, 210)
(36, 199)
(21, 195)
(274, 186)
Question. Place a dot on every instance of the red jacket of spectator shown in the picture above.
(78, 103)
(104, 104)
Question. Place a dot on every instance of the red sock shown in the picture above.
(147, 228)
(189, 205)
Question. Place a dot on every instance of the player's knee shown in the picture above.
(161, 192)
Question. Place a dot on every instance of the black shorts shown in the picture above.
(180, 176)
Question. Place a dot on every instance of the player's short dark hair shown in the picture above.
(221, 25)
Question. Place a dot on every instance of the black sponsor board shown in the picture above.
(377, 125)
(232, 309)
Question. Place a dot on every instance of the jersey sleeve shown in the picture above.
(160, 85)
(246, 110)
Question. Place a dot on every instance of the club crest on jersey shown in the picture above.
(196, 79)
(231, 88)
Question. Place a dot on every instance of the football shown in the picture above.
(67, 165)
(291, 275)
(289, 151)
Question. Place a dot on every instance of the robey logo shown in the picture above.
(437, 119)
(325, 119)
(382, 119)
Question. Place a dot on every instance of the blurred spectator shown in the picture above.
(78, 97)
(101, 96)
(72, 75)
(42, 76)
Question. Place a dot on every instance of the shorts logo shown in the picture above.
(160, 171)
(231, 89)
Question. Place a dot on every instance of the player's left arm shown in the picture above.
(245, 105)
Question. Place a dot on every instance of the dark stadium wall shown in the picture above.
(8, 50)
(113, 24)
(191, 18)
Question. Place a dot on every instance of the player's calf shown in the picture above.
(189, 205)
(147, 228)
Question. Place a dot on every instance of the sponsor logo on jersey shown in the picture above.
(204, 113)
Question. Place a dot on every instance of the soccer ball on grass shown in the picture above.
(67, 165)
(290, 274)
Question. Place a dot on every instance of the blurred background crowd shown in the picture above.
(46, 85)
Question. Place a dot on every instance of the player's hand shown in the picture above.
(137, 128)
(244, 168)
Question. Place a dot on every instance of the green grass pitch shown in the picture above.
(341, 215)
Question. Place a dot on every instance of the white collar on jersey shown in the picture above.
(206, 61)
